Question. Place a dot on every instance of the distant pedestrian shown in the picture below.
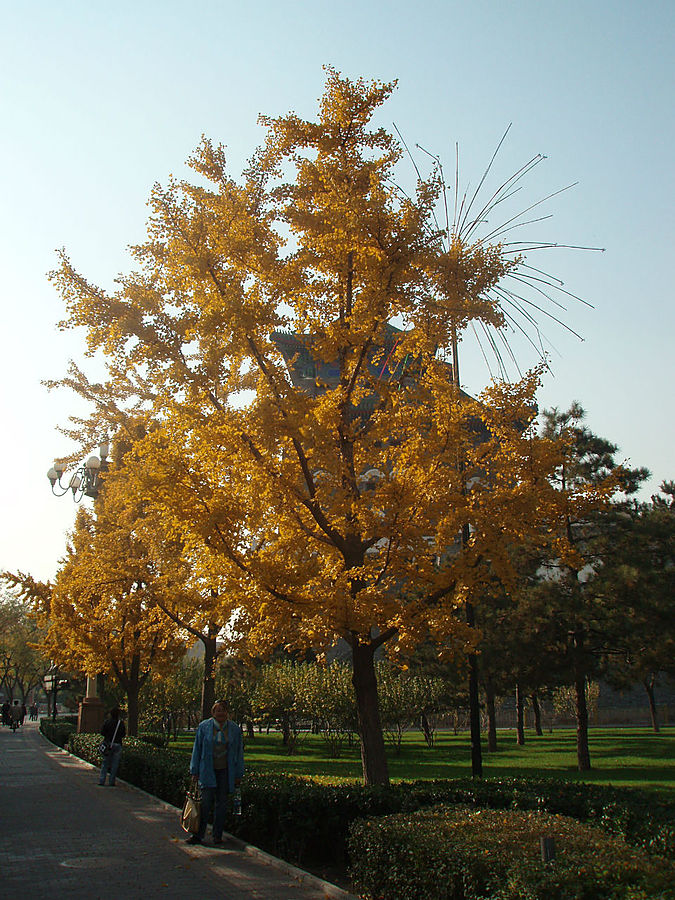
(218, 764)
(113, 732)
(6, 714)
(15, 713)
(23, 712)
(34, 712)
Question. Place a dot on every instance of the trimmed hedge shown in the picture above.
(642, 818)
(302, 820)
(68, 717)
(154, 738)
(449, 853)
(58, 730)
(158, 771)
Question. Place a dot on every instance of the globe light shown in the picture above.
(85, 481)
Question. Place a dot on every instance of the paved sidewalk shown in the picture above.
(64, 838)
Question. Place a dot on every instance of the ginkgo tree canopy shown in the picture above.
(100, 615)
(262, 479)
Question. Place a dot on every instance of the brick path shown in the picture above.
(64, 838)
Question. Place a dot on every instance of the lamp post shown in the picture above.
(51, 682)
(6, 666)
(85, 481)
(465, 535)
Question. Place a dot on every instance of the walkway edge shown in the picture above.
(330, 891)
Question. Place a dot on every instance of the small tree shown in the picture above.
(22, 666)
(565, 592)
(278, 698)
(236, 681)
(169, 700)
(399, 702)
(99, 615)
(565, 699)
(329, 699)
(637, 581)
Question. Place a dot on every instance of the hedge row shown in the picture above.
(58, 730)
(155, 738)
(450, 853)
(156, 770)
(640, 817)
(305, 820)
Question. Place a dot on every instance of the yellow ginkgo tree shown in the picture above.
(100, 614)
(196, 595)
(289, 334)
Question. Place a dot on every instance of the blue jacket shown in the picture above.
(201, 763)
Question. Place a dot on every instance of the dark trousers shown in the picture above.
(111, 763)
(214, 797)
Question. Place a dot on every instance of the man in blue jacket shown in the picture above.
(218, 763)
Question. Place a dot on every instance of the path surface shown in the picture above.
(63, 837)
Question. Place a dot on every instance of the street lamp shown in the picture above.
(85, 481)
(51, 682)
(6, 665)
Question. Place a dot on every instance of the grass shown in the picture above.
(624, 757)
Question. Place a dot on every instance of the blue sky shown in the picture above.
(99, 101)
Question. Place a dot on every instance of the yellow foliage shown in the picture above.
(101, 614)
(259, 480)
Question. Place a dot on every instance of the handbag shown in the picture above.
(104, 747)
(192, 811)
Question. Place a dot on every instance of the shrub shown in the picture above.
(641, 818)
(307, 820)
(449, 853)
(154, 738)
(163, 773)
(300, 819)
(68, 717)
(57, 731)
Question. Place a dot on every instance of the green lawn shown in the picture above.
(634, 757)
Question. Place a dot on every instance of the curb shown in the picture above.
(328, 890)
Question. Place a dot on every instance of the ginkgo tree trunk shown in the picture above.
(326, 485)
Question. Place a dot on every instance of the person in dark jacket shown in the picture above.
(15, 713)
(113, 732)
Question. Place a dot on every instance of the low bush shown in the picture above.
(155, 770)
(303, 820)
(154, 738)
(640, 817)
(68, 717)
(450, 853)
(57, 730)
(300, 820)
